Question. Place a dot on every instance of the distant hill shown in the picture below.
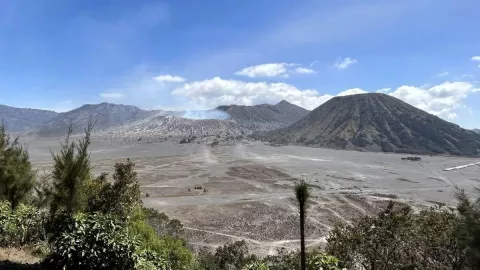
(106, 115)
(21, 119)
(265, 116)
(377, 122)
(476, 130)
(170, 125)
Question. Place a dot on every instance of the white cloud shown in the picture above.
(217, 91)
(345, 62)
(352, 91)
(265, 70)
(304, 70)
(111, 95)
(441, 100)
(476, 59)
(384, 90)
(443, 74)
(274, 70)
(168, 78)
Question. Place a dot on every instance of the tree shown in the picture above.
(120, 198)
(399, 238)
(468, 230)
(71, 168)
(17, 178)
(302, 193)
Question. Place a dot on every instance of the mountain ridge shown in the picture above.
(24, 119)
(105, 115)
(376, 122)
(265, 116)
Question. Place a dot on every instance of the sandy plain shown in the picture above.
(246, 188)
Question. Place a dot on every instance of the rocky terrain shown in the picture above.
(265, 116)
(246, 189)
(164, 126)
(105, 115)
(377, 122)
(22, 119)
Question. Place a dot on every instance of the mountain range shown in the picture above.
(130, 120)
(366, 122)
(376, 122)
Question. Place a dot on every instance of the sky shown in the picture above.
(190, 54)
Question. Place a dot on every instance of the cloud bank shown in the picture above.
(442, 100)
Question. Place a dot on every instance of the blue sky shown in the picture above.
(199, 54)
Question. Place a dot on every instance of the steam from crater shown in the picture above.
(210, 114)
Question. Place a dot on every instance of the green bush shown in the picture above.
(163, 225)
(120, 198)
(95, 242)
(173, 249)
(316, 260)
(321, 261)
(148, 260)
(23, 226)
(256, 266)
(399, 238)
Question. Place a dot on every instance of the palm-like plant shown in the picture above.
(302, 193)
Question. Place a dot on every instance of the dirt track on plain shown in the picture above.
(228, 193)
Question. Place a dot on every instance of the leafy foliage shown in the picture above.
(17, 177)
(291, 260)
(92, 242)
(119, 198)
(256, 266)
(97, 241)
(148, 260)
(172, 249)
(398, 238)
(23, 226)
(321, 261)
(71, 168)
(163, 225)
(230, 256)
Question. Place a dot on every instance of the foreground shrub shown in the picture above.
(398, 238)
(256, 266)
(120, 198)
(172, 249)
(316, 260)
(23, 226)
(95, 242)
(163, 225)
(321, 261)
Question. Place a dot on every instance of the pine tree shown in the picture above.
(71, 168)
(468, 231)
(17, 178)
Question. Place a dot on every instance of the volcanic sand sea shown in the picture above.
(249, 186)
